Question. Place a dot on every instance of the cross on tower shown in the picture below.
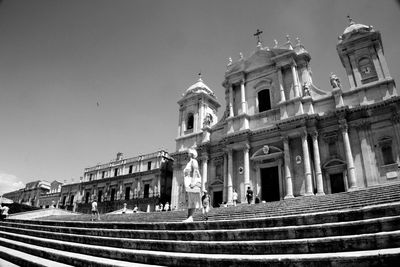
(257, 34)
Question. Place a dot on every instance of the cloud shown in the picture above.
(9, 182)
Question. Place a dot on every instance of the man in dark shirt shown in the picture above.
(249, 195)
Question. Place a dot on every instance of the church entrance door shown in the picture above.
(270, 184)
(337, 183)
(217, 199)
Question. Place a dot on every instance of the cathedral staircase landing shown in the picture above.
(359, 228)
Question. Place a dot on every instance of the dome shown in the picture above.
(355, 27)
(199, 87)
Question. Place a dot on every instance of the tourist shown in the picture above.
(257, 200)
(205, 200)
(249, 195)
(166, 207)
(234, 197)
(95, 211)
(161, 207)
(135, 209)
(192, 184)
(4, 212)
(124, 209)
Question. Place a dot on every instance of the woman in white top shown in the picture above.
(192, 184)
(234, 197)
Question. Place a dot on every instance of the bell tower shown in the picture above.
(361, 53)
(197, 110)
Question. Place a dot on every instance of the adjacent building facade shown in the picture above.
(31, 194)
(143, 180)
(282, 136)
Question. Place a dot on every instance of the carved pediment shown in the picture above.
(217, 181)
(333, 163)
(264, 83)
(267, 152)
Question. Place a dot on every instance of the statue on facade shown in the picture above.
(335, 81)
(192, 184)
(306, 89)
(207, 120)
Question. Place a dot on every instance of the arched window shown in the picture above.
(190, 121)
(366, 68)
(264, 100)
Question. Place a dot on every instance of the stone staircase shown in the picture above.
(360, 228)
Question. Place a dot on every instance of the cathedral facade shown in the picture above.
(282, 136)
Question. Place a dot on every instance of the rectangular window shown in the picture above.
(149, 165)
(116, 172)
(103, 174)
(90, 176)
(130, 168)
(112, 198)
(146, 190)
(127, 192)
(264, 101)
(387, 154)
(218, 171)
(100, 194)
(87, 197)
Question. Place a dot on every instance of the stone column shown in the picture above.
(307, 165)
(349, 71)
(180, 124)
(281, 88)
(288, 175)
(231, 100)
(356, 72)
(243, 97)
(349, 156)
(295, 80)
(230, 176)
(367, 151)
(396, 124)
(317, 162)
(246, 171)
(384, 65)
(225, 178)
(204, 172)
(376, 63)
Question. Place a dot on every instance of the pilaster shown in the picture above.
(317, 163)
(349, 156)
(288, 175)
(307, 165)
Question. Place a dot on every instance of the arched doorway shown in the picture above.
(335, 171)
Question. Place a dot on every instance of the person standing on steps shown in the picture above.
(205, 200)
(192, 184)
(234, 197)
(249, 195)
(95, 211)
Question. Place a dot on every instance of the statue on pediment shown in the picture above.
(335, 81)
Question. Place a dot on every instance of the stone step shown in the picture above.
(359, 242)
(272, 233)
(381, 257)
(362, 197)
(30, 255)
(26, 260)
(371, 212)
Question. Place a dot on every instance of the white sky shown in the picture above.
(58, 58)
